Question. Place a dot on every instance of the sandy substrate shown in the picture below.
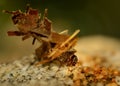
(99, 65)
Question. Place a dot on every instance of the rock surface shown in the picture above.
(97, 66)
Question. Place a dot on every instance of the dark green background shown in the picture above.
(93, 17)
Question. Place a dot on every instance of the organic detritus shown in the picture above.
(54, 45)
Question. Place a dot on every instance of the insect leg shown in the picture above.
(33, 42)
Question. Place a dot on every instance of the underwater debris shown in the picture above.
(54, 45)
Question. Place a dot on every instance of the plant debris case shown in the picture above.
(54, 46)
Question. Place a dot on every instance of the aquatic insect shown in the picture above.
(53, 45)
(59, 47)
